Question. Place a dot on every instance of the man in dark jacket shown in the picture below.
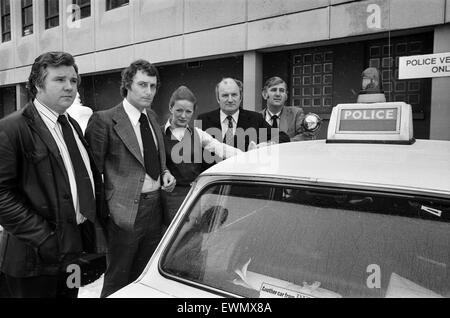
(233, 125)
(50, 189)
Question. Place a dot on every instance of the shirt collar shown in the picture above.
(272, 114)
(168, 125)
(50, 115)
(223, 116)
(133, 113)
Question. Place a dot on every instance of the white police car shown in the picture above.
(364, 213)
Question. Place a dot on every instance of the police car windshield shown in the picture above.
(274, 241)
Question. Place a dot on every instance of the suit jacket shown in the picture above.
(118, 157)
(247, 119)
(35, 196)
(291, 119)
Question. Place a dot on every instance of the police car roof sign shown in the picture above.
(371, 123)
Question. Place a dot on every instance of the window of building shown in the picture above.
(27, 17)
(51, 13)
(312, 79)
(5, 11)
(84, 6)
(322, 77)
(112, 4)
(384, 55)
(7, 100)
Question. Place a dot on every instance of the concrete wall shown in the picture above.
(447, 11)
(440, 97)
(367, 17)
(260, 9)
(166, 31)
(204, 15)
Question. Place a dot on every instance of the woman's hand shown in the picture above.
(168, 181)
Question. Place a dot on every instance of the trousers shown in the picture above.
(128, 251)
(40, 287)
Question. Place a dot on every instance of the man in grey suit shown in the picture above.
(287, 118)
(129, 149)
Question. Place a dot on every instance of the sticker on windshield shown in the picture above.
(271, 287)
(271, 291)
(295, 291)
(431, 210)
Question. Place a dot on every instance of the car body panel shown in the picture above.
(420, 169)
(138, 290)
(424, 166)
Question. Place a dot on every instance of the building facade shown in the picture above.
(320, 47)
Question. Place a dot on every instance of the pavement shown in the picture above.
(92, 290)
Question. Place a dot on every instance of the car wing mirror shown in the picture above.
(312, 122)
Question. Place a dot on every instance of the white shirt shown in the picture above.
(207, 141)
(224, 122)
(269, 119)
(50, 119)
(134, 114)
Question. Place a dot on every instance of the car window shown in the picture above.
(273, 241)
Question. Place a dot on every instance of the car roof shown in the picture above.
(422, 166)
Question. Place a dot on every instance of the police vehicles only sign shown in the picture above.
(422, 66)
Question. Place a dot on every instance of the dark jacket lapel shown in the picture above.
(214, 119)
(36, 123)
(243, 120)
(75, 125)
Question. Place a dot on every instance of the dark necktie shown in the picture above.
(229, 136)
(84, 186)
(274, 121)
(151, 157)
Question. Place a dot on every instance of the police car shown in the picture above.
(364, 213)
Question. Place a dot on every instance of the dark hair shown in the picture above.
(182, 93)
(238, 83)
(275, 80)
(129, 73)
(39, 69)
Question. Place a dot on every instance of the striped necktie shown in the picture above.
(229, 136)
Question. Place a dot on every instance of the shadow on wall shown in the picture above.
(103, 91)
(201, 77)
